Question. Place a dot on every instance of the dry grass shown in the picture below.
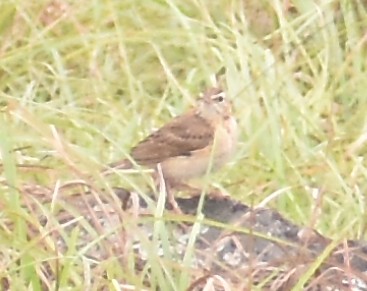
(82, 81)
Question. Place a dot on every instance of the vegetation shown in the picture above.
(82, 81)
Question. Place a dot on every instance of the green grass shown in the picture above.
(79, 86)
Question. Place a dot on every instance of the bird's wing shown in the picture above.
(180, 137)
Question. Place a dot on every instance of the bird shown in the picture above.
(188, 146)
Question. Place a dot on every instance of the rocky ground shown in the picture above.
(234, 245)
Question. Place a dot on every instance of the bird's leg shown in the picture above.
(171, 198)
(167, 185)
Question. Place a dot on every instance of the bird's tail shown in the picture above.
(120, 165)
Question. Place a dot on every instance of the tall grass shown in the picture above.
(82, 81)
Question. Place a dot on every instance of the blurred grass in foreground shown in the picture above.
(83, 81)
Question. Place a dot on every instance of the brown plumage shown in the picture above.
(189, 143)
(183, 135)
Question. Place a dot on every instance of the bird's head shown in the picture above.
(214, 104)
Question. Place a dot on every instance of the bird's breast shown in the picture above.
(226, 136)
(209, 158)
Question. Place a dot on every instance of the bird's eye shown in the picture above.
(219, 97)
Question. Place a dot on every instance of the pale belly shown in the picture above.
(205, 160)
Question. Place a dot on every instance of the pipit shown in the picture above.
(190, 145)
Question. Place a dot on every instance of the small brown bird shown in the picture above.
(185, 147)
